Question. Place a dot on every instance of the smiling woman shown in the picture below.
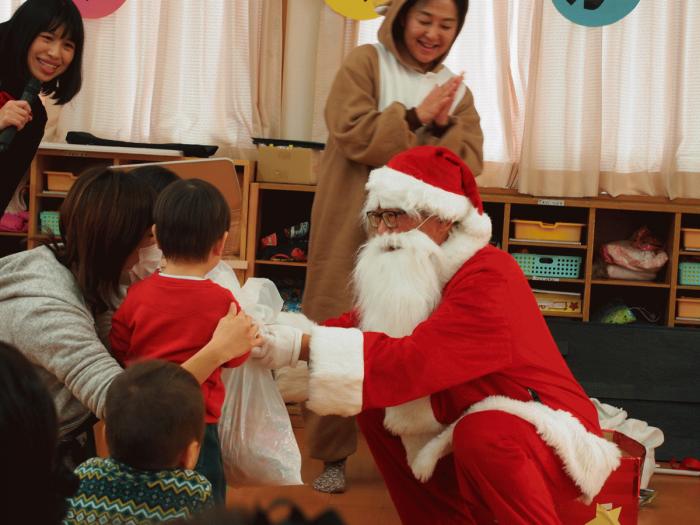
(429, 28)
(50, 54)
(43, 40)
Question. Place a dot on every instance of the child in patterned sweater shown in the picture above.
(154, 424)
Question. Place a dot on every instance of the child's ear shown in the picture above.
(218, 249)
(190, 455)
(155, 235)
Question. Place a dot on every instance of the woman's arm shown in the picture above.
(235, 335)
(363, 133)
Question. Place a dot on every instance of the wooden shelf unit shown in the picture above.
(606, 219)
(266, 215)
(76, 159)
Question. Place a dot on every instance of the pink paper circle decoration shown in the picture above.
(97, 8)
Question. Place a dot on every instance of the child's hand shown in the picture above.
(235, 334)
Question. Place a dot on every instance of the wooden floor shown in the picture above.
(367, 502)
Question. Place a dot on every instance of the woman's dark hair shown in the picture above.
(190, 216)
(38, 483)
(102, 220)
(400, 20)
(153, 411)
(17, 34)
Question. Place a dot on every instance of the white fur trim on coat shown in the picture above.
(465, 239)
(389, 188)
(588, 459)
(414, 422)
(297, 320)
(337, 371)
(414, 417)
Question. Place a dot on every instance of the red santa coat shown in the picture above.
(485, 347)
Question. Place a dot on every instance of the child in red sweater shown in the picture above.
(173, 313)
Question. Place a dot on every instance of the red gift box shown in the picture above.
(618, 500)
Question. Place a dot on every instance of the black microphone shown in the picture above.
(31, 91)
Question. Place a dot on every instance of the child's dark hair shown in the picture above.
(28, 21)
(153, 411)
(157, 177)
(28, 440)
(190, 217)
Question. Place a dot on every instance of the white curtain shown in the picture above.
(337, 35)
(169, 71)
(575, 111)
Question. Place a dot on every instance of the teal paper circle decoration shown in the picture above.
(595, 13)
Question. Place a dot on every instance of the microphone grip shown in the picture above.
(6, 136)
(31, 92)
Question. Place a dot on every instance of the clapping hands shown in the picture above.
(435, 107)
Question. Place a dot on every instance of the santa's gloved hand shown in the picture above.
(281, 347)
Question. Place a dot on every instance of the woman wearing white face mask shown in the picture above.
(150, 258)
(50, 297)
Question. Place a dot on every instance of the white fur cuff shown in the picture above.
(337, 371)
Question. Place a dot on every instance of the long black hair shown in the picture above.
(17, 34)
(38, 482)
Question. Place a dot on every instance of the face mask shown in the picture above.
(150, 258)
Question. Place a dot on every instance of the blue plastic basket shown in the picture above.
(689, 273)
(49, 222)
(564, 266)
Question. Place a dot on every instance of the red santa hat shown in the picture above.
(430, 179)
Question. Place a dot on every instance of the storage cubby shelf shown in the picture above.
(280, 263)
(605, 219)
(543, 244)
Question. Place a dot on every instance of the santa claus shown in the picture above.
(468, 407)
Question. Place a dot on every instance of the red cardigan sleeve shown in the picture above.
(120, 334)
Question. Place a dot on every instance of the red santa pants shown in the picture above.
(500, 472)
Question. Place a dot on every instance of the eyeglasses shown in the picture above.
(389, 217)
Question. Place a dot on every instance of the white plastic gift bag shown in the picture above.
(257, 441)
(258, 446)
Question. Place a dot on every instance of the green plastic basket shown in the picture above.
(564, 266)
(49, 222)
(689, 273)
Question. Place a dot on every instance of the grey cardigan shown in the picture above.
(43, 314)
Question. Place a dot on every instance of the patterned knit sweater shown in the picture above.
(112, 492)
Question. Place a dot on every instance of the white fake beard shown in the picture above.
(398, 281)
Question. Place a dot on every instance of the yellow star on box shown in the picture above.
(604, 516)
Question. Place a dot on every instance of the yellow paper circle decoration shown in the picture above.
(355, 9)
